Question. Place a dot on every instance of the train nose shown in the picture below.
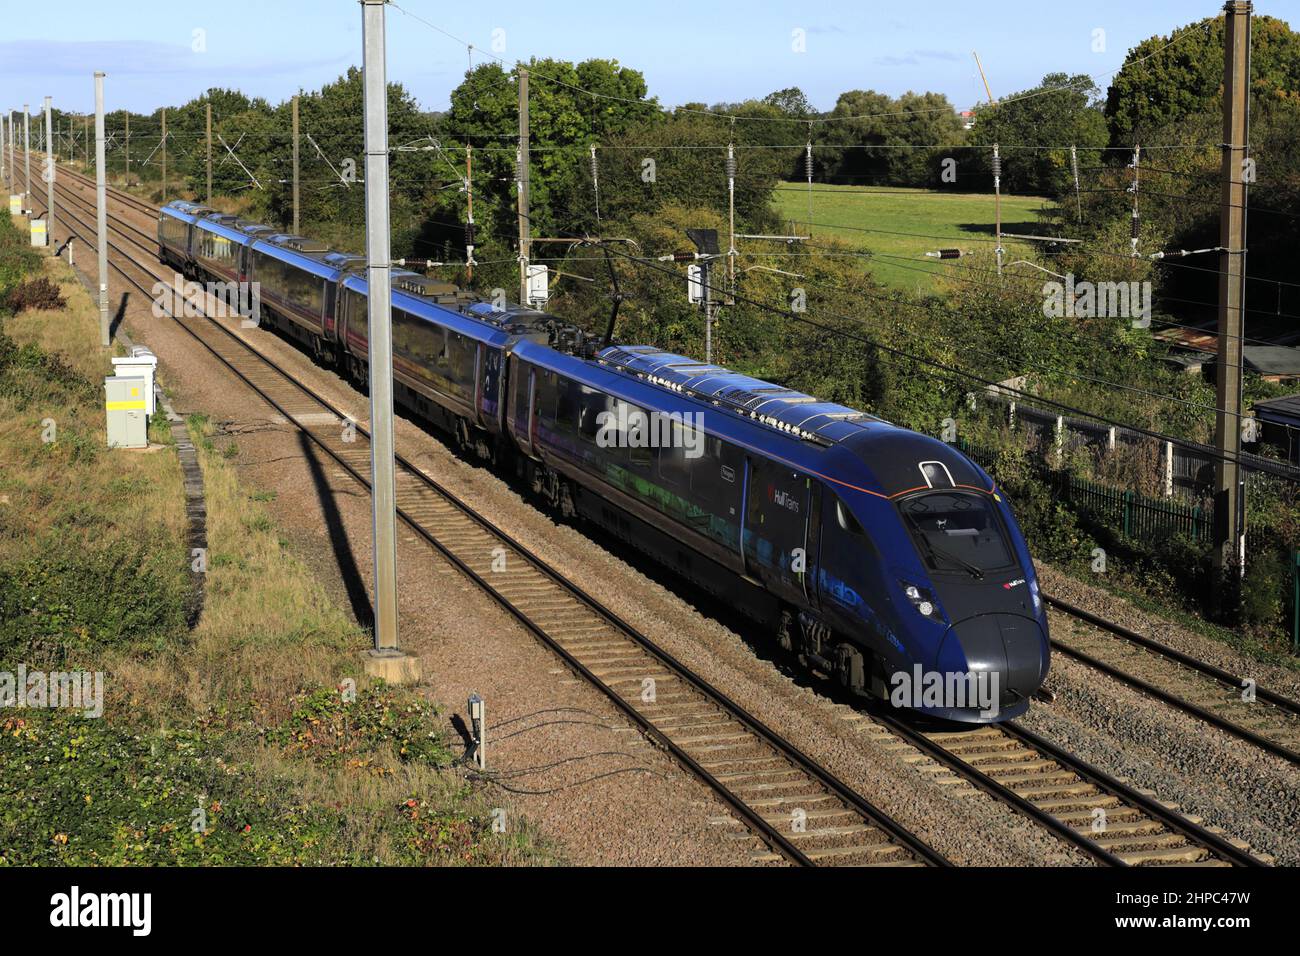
(1009, 645)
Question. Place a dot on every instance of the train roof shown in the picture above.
(784, 409)
(227, 226)
(443, 312)
(308, 259)
(184, 211)
(846, 447)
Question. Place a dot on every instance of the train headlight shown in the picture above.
(1038, 600)
(922, 600)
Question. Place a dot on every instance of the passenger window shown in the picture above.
(713, 474)
(546, 397)
(566, 406)
(592, 403)
(674, 466)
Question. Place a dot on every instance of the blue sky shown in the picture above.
(710, 51)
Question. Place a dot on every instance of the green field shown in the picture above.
(959, 220)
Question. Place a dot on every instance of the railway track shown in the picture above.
(1236, 706)
(802, 812)
(1100, 815)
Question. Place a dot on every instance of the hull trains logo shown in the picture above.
(133, 910)
(783, 499)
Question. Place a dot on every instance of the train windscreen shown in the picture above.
(957, 531)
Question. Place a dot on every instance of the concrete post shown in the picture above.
(101, 213)
(27, 155)
(48, 176)
(386, 659)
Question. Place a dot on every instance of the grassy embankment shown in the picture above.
(228, 744)
(963, 220)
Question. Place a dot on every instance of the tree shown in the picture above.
(871, 138)
(1164, 79)
(1062, 111)
(681, 160)
(571, 108)
(791, 101)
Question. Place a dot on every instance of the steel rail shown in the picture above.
(1173, 700)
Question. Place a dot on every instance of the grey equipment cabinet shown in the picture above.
(128, 417)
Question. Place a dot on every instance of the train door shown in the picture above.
(478, 383)
(813, 539)
(519, 408)
(532, 410)
(492, 396)
(776, 538)
(331, 311)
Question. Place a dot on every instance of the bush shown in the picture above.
(1265, 588)
(27, 373)
(68, 599)
(39, 293)
(17, 257)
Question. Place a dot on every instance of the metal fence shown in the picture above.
(1191, 464)
(1137, 516)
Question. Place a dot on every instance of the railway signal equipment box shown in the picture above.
(128, 420)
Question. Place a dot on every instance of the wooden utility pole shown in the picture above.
(209, 112)
(85, 129)
(1229, 516)
(295, 165)
(127, 114)
(162, 144)
(523, 187)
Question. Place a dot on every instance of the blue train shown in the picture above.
(882, 557)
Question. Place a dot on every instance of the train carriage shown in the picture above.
(219, 248)
(447, 366)
(875, 547)
(296, 285)
(177, 222)
(873, 551)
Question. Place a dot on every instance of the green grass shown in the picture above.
(960, 220)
